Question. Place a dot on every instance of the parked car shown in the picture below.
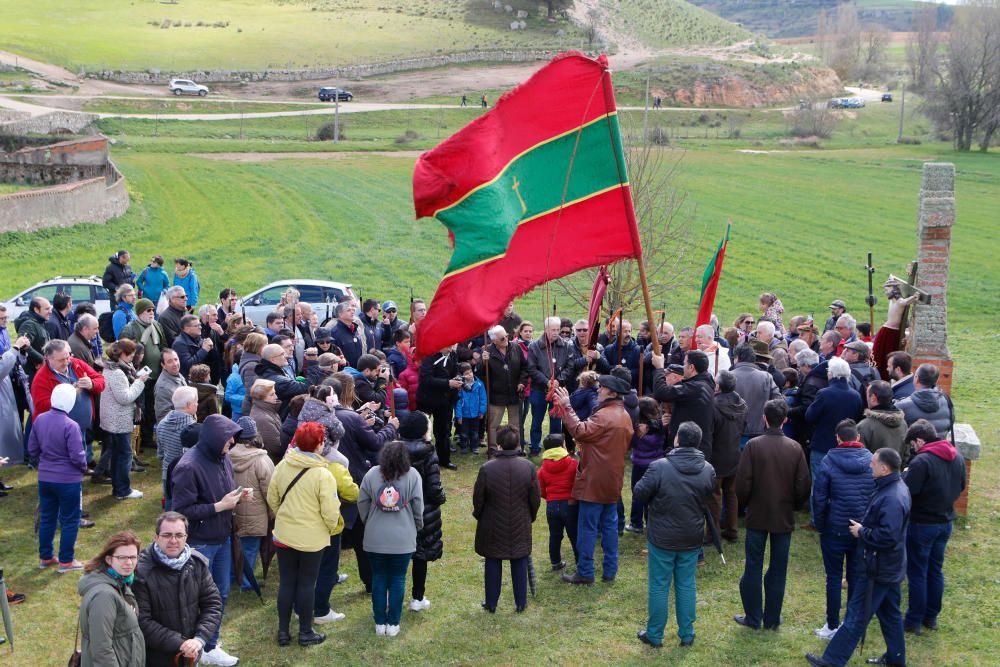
(322, 295)
(187, 87)
(854, 103)
(836, 103)
(80, 289)
(887, 97)
(328, 94)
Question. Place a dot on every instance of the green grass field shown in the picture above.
(802, 223)
(672, 23)
(172, 106)
(263, 35)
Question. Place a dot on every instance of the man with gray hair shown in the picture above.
(347, 335)
(829, 345)
(765, 334)
(168, 382)
(169, 430)
(550, 364)
(84, 331)
(847, 327)
(506, 374)
(584, 359)
(125, 297)
(170, 318)
(718, 357)
(812, 378)
(208, 316)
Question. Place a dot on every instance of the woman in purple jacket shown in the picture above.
(57, 445)
(647, 446)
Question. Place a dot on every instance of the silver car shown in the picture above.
(322, 295)
(80, 289)
(187, 87)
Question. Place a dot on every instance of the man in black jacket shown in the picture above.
(882, 532)
(506, 375)
(935, 478)
(692, 395)
(272, 367)
(371, 386)
(190, 347)
(58, 325)
(675, 489)
(727, 428)
(550, 365)
(179, 604)
(117, 273)
(436, 395)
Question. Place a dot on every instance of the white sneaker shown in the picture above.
(329, 617)
(133, 495)
(825, 632)
(341, 578)
(218, 657)
(420, 605)
(391, 630)
(380, 630)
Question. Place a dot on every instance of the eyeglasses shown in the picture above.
(391, 310)
(583, 330)
(173, 536)
(126, 559)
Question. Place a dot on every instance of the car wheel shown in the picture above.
(202, 93)
(350, 97)
(177, 91)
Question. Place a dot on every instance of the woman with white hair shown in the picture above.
(837, 402)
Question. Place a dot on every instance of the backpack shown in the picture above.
(105, 327)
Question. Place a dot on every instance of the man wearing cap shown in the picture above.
(390, 324)
(204, 491)
(692, 395)
(809, 334)
(169, 430)
(755, 386)
(862, 374)
(602, 441)
(763, 359)
(148, 334)
(837, 308)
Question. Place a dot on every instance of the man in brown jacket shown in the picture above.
(772, 480)
(602, 442)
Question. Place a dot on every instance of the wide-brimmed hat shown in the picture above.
(615, 384)
(323, 335)
(837, 303)
(761, 349)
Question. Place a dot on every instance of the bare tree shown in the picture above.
(922, 48)
(814, 120)
(555, 5)
(823, 36)
(846, 48)
(874, 41)
(967, 96)
(664, 220)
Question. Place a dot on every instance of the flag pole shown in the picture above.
(609, 100)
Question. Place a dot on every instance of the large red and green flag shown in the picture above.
(530, 191)
(710, 281)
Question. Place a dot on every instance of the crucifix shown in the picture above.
(517, 184)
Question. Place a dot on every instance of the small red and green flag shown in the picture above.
(530, 191)
(710, 281)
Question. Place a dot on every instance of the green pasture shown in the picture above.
(803, 220)
(672, 23)
(8, 188)
(253, 35)
(188, 106)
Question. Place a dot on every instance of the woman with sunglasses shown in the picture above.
(109, 622)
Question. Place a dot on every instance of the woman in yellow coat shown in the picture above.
(303, 497)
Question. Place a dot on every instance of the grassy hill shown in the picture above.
(803, 220)
(664, 23)
(781, 18)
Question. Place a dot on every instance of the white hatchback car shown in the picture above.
(187, 87)
(322, 295)
(80, 289)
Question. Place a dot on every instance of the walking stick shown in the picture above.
(871, 300)
(486, 373)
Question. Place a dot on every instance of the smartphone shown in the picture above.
(239, 489)
(145, 370)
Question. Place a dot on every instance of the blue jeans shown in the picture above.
(925, 544)
(815, 461)
(663, 567)
(767, 611)
(836, 549)
(597, 518)
(251, 547)
(539, 406)
(388, 586)
(327, 579)
(638, 514)
(885, 599)
(220, 562)
(468, 433)
(120, 445)
(519, 580)
(561, 516)
(58, 502)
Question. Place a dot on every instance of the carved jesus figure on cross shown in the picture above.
(515, 188)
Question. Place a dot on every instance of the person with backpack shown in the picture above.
(124, 310)
(117, 273)
(153, 280)
(391, 504)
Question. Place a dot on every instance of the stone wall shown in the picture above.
(54, 122)
(63, 162)
(92, 200)
(155, 76)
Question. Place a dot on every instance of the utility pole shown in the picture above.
(645, 114)
(902, 107)
(241, 124)
(336, 117)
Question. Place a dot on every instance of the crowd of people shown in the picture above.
(302, 439)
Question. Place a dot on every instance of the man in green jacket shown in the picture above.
(148, 333)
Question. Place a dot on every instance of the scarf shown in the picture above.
(117, 577)
(173, 563)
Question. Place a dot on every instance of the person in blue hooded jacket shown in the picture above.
(185, 276)
(204, 491)
(882, 533)
(843, 485)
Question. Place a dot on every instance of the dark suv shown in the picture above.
(329, 94)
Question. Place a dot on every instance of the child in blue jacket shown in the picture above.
(470, 409)
(235, 392)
